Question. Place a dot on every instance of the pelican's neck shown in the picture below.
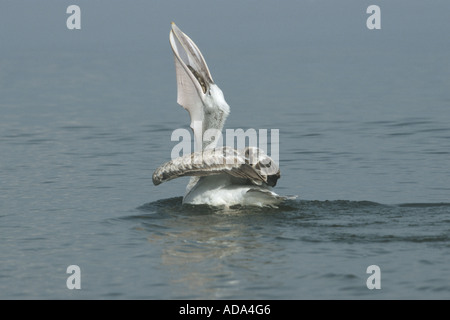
(215, 113)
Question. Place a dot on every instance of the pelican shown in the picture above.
(223, 176)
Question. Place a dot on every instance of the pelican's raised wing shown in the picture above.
(249, 164)
(193, 78)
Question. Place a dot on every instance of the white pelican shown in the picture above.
(224, 176)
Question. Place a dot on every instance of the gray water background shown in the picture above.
(364, 119)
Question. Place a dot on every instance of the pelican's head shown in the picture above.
(195, 70)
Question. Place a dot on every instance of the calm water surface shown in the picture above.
(364, 125)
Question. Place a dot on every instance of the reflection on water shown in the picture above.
(206, 248)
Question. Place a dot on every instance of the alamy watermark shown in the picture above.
(74, 280)
(73, 22)
(213, 139)
(374, 280)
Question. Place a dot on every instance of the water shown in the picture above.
(364, 142)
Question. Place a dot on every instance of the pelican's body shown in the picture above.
(220, 176)
(221, 190)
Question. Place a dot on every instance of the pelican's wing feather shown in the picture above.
(216, 161)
